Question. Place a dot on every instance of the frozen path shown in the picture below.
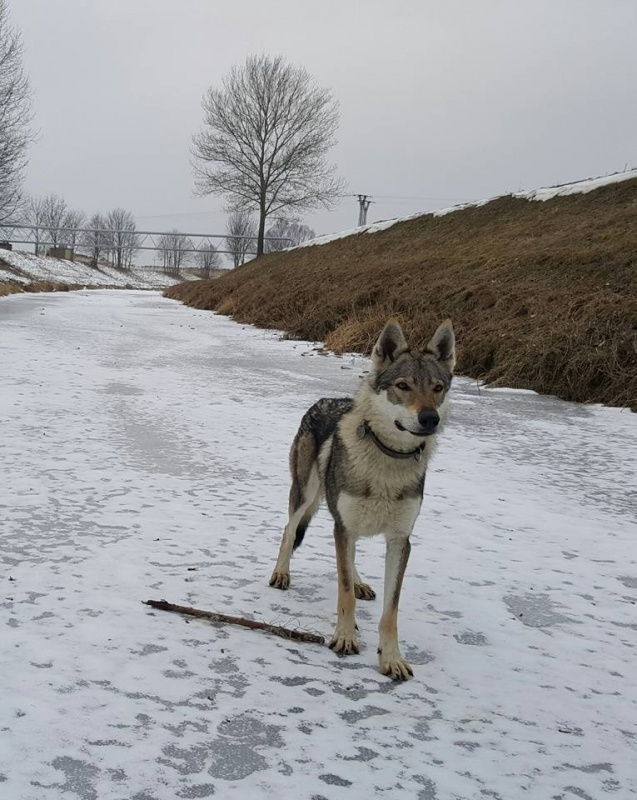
(143, 453)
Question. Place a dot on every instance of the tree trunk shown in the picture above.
(261, 233)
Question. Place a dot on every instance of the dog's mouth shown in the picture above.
(420, 433)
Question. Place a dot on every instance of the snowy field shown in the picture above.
(143, 454)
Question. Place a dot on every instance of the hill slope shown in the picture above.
(543, 295)
(21, 271)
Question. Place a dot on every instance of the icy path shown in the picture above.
(143, 453)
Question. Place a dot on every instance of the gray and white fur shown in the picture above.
(367, 457)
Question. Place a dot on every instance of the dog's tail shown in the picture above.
(305, 488)
(300, 531)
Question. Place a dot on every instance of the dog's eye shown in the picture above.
(404, 387)
(438, 388)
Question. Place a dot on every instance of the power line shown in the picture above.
(424, 199)
(176, 214)
(398, 197)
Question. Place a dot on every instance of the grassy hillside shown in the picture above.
(543, 295)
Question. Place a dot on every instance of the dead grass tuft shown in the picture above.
(36, 286)
(542, 295)
(9, 288)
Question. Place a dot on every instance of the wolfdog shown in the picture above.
(367, 457)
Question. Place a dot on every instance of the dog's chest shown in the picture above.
(374, 513)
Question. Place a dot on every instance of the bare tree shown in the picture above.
(265, 139)
(287, 233)
(95, 238)
(34, 215)
(15, 117)
(72, 221)
(174, 247)
(54, 211)
(209, 259)
(54, 223)
(239, 228)
(121, 236)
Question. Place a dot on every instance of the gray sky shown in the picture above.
(441, 100)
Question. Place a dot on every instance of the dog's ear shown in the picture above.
(443, 345)
(389, 344)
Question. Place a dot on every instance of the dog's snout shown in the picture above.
(428, 420)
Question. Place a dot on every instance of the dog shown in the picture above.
(367, 457)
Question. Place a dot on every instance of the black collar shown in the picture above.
(364, 430)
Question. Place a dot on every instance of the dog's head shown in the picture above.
(412, 384)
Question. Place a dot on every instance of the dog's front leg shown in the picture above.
(390, 658)
(345, 639)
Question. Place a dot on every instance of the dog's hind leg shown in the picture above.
(362, 590)
(305, 497)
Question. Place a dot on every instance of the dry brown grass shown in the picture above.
(542, 295)
(9, 288)
(37, 286)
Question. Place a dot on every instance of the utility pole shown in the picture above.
(363, 205)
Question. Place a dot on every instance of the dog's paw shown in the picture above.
(280, 580)
(364, 591)
(345, 643)
(394, 665)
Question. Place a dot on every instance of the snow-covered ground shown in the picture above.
(27, 267)
(143, 454)
(546, 193)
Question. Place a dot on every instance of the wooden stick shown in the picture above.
(277, 630)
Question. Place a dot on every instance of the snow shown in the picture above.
(14, 277)
(548, 193)
(580, 187)
(144, 455)
(42, 268)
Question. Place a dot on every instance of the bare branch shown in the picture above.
(253, 624)
(15, 117)
(240, 233)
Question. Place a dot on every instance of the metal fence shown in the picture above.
(86, 239)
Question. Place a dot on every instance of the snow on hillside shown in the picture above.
(13, 277)
(547, 193)
(29, 267)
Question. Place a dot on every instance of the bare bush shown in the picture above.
(287, 233)
(209, 259)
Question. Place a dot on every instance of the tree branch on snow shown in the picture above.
(277, 630)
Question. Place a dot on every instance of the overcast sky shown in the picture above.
(441, 100)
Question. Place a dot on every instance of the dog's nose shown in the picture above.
(428, 420)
